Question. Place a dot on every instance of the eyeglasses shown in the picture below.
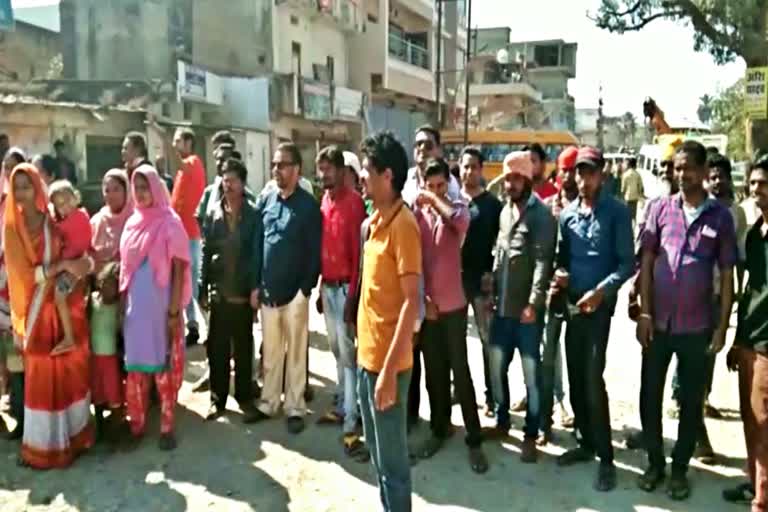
(282, 165)
(428, 144)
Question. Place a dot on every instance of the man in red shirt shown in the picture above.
(542, 187)
(343, 212)
(188, 189)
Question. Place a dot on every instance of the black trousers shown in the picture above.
(414, 389)
(444, 343)
(586, 340)
(692, 361)
(231, 327)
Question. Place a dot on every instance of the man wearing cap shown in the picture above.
(595, 257)
(551, 376)
(353, 169)
(522, 271)
(683, 238)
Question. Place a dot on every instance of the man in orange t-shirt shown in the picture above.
(188, 188)
(387, 313)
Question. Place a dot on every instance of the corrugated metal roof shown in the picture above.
(13, 99)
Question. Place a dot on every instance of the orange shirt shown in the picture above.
(393, 249)
(188, 188)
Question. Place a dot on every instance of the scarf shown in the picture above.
(154, 233)
(21, 255)
(107, 226)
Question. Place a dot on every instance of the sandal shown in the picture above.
(477, 460)
(430, 447)
(678, 488)
(330, 418)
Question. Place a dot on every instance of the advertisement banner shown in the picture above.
(756, 93)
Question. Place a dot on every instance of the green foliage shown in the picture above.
(729, 117)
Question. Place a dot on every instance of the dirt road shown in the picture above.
(226, 465)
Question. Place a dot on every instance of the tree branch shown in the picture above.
(645, 21)
(703, 26)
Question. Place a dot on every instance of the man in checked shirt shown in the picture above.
(684, 237)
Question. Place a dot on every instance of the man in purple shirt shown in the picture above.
(443, 337)
(684, 237)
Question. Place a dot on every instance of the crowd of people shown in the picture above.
(98, 312)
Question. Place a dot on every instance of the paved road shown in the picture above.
(229, 466)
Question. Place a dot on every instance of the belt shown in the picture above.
(335, 284)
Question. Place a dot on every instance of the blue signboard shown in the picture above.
(6, 15)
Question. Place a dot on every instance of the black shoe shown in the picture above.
(250, 413)
(295, 424)
(256, 417)
(743, 493)
(651, 479)
(214, 412)
(635, 441)
(606, 477)
(575, 456)
(193, 335)
(167, 442)
(678, 487)
(309, 394)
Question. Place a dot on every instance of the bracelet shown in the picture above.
(646, 316)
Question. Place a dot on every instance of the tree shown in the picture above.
(727, 29)
(728, 117)
(705, 109)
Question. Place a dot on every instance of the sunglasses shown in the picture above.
(282, 165)
(426, 143)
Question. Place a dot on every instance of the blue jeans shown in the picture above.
(508, 334)
(551, 374)
(343, 348)
(387, 440)
(195, 255)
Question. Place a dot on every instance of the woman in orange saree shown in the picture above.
(57, 420)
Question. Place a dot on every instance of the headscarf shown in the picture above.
(154, 233)
(518, 162)
(21, 255)
(107, 226)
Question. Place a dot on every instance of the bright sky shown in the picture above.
(659, 61)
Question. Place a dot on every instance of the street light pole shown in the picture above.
(467, 72)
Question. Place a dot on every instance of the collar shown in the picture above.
(382, 219)
(708, 203)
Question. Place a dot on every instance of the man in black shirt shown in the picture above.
(749, 354)
(476, 256)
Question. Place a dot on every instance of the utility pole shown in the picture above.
(467, 72)
(600, 120)
(438, 64)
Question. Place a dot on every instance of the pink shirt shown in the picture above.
(441, 251)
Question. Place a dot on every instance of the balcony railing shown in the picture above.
(408, 52)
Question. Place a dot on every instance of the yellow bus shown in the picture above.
(495, 145)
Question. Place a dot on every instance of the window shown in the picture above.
(547, 55)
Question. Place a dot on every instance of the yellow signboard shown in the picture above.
(756, 93)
